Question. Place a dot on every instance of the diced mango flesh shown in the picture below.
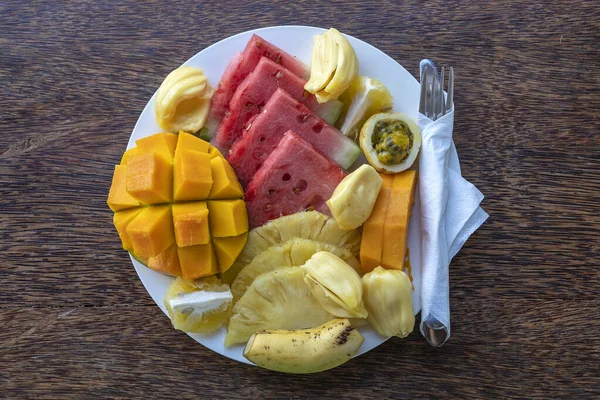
(397, 218)
(187, 141)
(371, 244)
(166, 262)
(192, 177)
(190, 221)
(120, 220)
(151, 231)
(214, 152)
(161, 143)
(149, 178)
(197, 261)
(228, 249)
(118, 197)
(178, 239)
(227, 217)
(128, 154)
(225, 183)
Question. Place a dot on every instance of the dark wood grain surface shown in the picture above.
(76, 322)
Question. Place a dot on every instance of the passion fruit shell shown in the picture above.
(366, 142)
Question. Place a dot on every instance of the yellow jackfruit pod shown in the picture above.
(183, 100)
(335, 285)
(353, 199)
(334, 66)
(388, 298)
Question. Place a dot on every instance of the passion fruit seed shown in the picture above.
(392, 141)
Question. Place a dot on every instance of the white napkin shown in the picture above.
(450, 213)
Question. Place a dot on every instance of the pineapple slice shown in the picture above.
(305, 225)
(292, 253)
(200, 306)
(276, 300)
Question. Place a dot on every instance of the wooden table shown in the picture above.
(75, 319)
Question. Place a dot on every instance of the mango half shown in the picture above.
(159, 195)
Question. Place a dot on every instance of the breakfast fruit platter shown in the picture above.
(268, 198)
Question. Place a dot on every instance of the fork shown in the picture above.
(433, 103)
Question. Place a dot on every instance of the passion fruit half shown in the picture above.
(390, 142)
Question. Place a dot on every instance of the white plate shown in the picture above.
(297, 40)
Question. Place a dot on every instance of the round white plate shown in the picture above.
(296, 40)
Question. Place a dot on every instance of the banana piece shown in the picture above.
(305, 351)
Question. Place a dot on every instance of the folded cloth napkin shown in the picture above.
(450, 213)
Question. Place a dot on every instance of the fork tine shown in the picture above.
(429, 91)
(443, 98)
(437, 94)
(422, 100)
(450, 102)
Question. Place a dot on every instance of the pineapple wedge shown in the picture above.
(294, 252)
(276, 300)
(310, 225)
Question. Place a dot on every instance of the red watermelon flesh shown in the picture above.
(295, 177)
(241, 64)
(252, 94)
(281, 114)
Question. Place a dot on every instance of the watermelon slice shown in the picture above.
(252, 94)
(295, 177)
(280, 114)
(240, 65)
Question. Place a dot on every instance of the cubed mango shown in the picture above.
(227, 217)
(197, 261)
(225, 183)
(214, 152)
(161, 143)
(187, 141)
(151, 231)
(228, 249)
(191, 224)
(166, 262)
(131, 152)
(118, 197)
(150, 178)
(397, 218)
(192, 178)
(121, 219)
